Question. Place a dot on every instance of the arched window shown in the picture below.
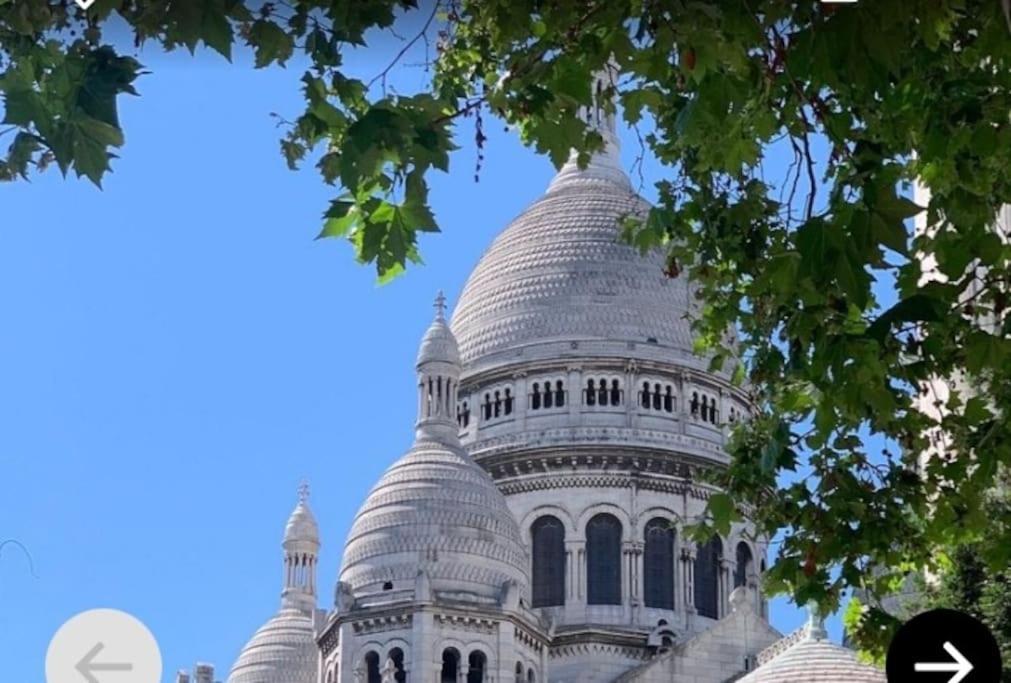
(668, 400)
(658, 564)
(397, 658)
(615, 393)
(656, 397)
(531, 677)
(707, 572)
(603, 560)
(498, 404)
(548, 402)
(519, 672)
(602, 392)
(744, 564)
(477, 663)
(591, 393)
(559, 393)
(644, 395)
(535, 397)
(450, 665)
(548, 551)
(695, 404)
(487, 406)
(508, 401)
(372, 674)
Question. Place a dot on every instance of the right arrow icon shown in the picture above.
(960, 667)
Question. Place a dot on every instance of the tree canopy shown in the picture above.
(891, 91)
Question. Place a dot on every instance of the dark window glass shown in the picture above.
(591, 393)
(707, 571)
(372, 674)
(535, 397)
(477, 663)
(397, 657)
(615, 393)
(658, 561)
(603, 560)
(548, 541)
(744, 562)
(450, 665)
(559, 393)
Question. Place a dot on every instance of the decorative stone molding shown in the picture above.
(381, 624)
(467, 623)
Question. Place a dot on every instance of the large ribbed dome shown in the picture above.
(561, 272)
(434, 509)
(282, 651)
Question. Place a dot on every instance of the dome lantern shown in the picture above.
(438, 367)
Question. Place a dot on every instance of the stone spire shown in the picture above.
(815, 623)
(438, 370)
(301, 555)
(605, 164)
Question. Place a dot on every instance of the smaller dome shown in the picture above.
(813, 659)
(282, 651)
(436, 510)
(302, 526)
(439, 345)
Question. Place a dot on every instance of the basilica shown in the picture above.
(534, 530)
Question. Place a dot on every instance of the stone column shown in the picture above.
(725, 583)
(631, 391)
(575, 392)
(573, 549)
(521, 399)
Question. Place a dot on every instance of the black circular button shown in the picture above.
(943, 646)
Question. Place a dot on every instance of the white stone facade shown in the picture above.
(534, 532)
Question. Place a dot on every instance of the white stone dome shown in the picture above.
(282, 651)
(560, 272)
(435, 510)
(302, 525)
(815, 661)
(438, 345)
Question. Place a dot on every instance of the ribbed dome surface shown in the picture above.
(815, 661)
(438, 345)
(435, 509)
(302, 525)
(561, 272)
(282, 651)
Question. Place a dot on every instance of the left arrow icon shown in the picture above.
(87, 667)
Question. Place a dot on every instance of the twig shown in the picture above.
(19, 544)
(381, 76)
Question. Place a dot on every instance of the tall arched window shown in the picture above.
(658, 564)
(707, 572)
(450, 665)
(744, 564)
(548, 550)
(397, 658)
(519, 672)
(603, 560)
(559, 393)
(372, 674)
(477, 664)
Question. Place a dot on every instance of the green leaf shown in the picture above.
(270, 43)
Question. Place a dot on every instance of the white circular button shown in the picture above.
(103, 646)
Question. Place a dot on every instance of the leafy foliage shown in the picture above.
(892, 90)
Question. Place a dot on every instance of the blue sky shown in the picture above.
(177, 353)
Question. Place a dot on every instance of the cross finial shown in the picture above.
(440, 306)
(303, 492)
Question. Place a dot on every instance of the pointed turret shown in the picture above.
(605, 164)
(438, 370)
(301, 553)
